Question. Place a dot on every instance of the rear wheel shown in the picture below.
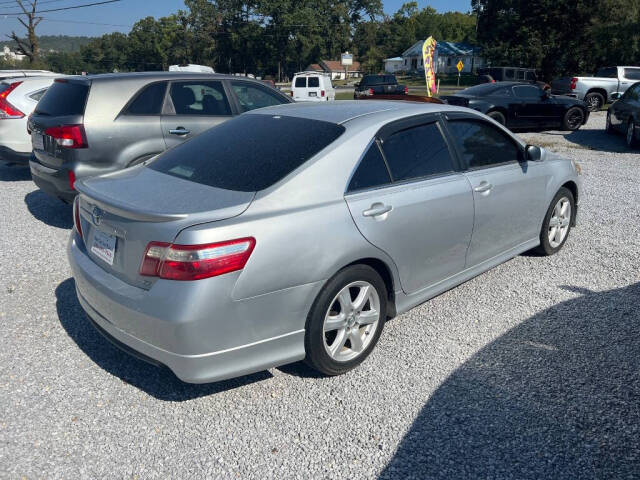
(594, 101)
(632, 140)
(557, 223)
(573, 119)
(498, 117)
(346, 320)
(608, 127)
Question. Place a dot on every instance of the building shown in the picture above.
(336, 69)
(393, 65)
(7, 54)
(447, 56)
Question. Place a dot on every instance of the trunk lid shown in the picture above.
(124, 211)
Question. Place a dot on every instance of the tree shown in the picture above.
(28, 46)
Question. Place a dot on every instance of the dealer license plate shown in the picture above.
(104, 246)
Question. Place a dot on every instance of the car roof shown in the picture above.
(162, 76)
(346, 110)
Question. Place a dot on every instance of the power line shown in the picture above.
(40, 2)
(61, 8)
(83, 23)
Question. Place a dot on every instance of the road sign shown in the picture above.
(346, 59)
(460, 66)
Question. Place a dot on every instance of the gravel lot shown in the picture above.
(528, 371)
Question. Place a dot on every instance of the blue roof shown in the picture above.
(443, 48)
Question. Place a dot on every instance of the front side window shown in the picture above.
(526, 91)
(252, 96)
(371, 172)
(482, 145)
(199, 98)
(149, 100)
(417, 152)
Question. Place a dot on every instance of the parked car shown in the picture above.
(4, 74)
(520, 105)
(236, 252)
(624, 116)
(18, 98)
(91, 125)
(607, 85)
(371, 85)
(509, 74)
(312, 87)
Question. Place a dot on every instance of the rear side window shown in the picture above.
(417, 152)
(199, 98)
(63, 98)
(37, 95)
(632, 73)
(501, 92)
(301, 82)
(482, 144)
(149, 100)
(372, 171)
(248, 153)
(527, 91)
(314, 82)
(251, 96)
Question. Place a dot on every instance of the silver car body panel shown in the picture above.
(306, 230)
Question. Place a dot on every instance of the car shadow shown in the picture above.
(598, 140)
(49, 210)
(158, 382)
(14, 173)
(556, 397)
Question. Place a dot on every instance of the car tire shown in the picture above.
(573, 119)
(551, 241)
(498, 117)
(632, 140)
(594, 101)
(608, 127)
(346, 320)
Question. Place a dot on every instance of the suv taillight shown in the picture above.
(292, 92)
(574, 80)
(370, 92)
(68, 136)
(406, 90)
(194, 262)
(6, 109)
(76, 216)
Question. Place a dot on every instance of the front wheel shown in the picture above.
(573, 119)
(346, 320)
(632, 140)
(608, 127)
(557, 222)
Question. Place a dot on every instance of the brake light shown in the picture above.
(6, 109)
(195, 262)
(68, 136)
(322, 93)
(370, 92)
(76, 216)
(406, 90)
(72, 180)
(572, 86)
(292, 93)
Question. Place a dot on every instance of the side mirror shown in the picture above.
(533, 153)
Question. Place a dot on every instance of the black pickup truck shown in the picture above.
(371, 85)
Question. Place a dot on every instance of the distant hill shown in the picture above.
(59, 43)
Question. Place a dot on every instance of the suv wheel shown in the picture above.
(594, 101)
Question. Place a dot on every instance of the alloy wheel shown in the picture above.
(351, 321)
(574, 120)
(559, 222)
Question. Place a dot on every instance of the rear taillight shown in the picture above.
(292, 93)
(406, 90)
(322, 93)
(370, 92)
(68, 136)
(574, 81)
(72, 180)
(194, 262)
(6, 109)
(76, 216)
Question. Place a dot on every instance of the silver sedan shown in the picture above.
(294, 232)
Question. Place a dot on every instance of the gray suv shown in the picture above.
(91, 125)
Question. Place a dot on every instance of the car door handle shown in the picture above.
(179, 131)
(376, 210)
(483, 187)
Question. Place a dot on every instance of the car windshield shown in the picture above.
(249, 153)
(480, 90)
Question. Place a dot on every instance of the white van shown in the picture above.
(191, 68)
(312, 87)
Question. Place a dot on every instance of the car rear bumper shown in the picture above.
(54, 182)
(10, 156)
(173, 322)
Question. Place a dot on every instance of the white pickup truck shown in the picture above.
(607, 85)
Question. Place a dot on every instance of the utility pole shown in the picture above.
(30, 47)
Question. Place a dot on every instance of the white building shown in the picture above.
(393, 65)
(447, 56)
(7, 54)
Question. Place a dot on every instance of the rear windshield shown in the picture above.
(248, 153)
(63, 98)
(379, 79)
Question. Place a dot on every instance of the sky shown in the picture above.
(121, 15)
